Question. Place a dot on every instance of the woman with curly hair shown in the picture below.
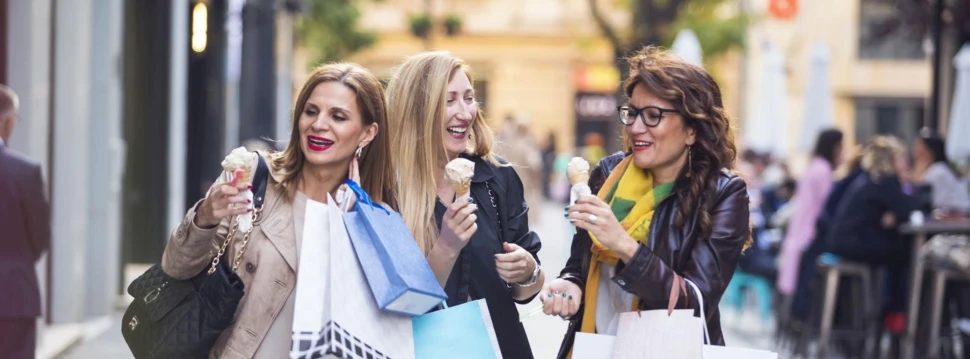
(668, 206)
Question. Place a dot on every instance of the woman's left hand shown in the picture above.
(346, 198)
(516, 265)
(594, 215)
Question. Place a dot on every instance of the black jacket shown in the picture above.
(708, 262)
(474, 274)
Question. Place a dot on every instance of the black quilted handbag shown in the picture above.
(171, 318)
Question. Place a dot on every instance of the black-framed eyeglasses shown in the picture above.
(650, 115)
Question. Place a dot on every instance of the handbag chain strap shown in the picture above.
(242, 249)
(229, 237)
(491, 196)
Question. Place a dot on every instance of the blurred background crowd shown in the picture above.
(129, 106)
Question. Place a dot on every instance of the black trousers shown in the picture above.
(18, 338)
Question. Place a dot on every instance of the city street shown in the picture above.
(544, 332)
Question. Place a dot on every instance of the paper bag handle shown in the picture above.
(362, 196)
(700, 301)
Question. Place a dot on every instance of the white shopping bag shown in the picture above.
(336, 316)
(593, 346)
(655, 334)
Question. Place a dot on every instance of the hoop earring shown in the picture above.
(359, 150)
(689, 161)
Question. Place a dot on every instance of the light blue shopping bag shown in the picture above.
(463, 331)
(397, 272)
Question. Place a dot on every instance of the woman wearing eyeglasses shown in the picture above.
(669, 205)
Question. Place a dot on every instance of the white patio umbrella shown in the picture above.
(957, 145)
(688, 47)
(817, 113)
(767, 130)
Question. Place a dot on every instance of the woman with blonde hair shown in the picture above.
(864, 227)
(485, 252)
(338, 131)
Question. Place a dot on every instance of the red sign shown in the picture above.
(783, 9)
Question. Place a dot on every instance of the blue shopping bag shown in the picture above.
(397, 272)
(463, 331)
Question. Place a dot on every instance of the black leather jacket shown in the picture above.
(708, 262)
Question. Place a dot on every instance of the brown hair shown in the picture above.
(376, 172)
(696, 96)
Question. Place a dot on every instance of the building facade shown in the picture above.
(129, 106)
(880, 83)
(529, 58)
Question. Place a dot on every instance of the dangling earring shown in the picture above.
(689, 167)
(357, 153)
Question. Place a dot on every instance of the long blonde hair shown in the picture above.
(376, 171)
(416, 97)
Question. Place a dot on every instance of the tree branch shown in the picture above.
(605, 27)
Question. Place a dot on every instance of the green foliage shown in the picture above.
(329, 30)
(453, 24)
(420, 24)
(716, 32)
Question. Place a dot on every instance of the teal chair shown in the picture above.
(762, 289)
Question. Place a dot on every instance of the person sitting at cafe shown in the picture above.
(865, 225)
(934, 170)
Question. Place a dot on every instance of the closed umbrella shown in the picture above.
(767, 130)
(688, 47)
(957, 145)
(817, 113)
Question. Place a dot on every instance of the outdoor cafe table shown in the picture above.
(920, 235)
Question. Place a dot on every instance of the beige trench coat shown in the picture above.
(267, 268)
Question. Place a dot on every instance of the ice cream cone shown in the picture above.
(459, 173)
(240, 159)
(246, 177)
(582, 177)
(577, 171)
(461, 188)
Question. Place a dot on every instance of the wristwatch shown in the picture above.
(533, 280)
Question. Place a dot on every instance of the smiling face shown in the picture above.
(663, 148)
(460, 111)
(331, 127)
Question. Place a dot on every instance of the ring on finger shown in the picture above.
(592, 219)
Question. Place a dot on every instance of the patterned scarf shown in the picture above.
(630, 193)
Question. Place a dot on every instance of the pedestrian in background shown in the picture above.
(25, 221)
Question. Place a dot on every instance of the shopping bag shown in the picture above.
(593, 346)
(463, 331)
(397, 272)
(336, 315)
(661, 333)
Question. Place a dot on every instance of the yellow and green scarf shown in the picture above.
(631, 194)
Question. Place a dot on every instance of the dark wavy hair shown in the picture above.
(697, 97)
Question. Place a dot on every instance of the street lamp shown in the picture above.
(200, 26)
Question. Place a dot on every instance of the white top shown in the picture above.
(611, 300)
(948, 190)
(276, 344)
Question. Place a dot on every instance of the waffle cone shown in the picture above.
(246, 177)
(461, 188)
(582, 177)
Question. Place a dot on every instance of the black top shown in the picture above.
(857, 224)
(474, 273)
